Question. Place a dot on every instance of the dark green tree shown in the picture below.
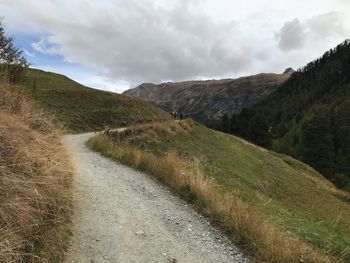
(318, 141)
(234, 124)
(240, 124)
(225, 123)
(258, 130)
(342, 174)
(12, 63)
(342, 141)
(341, 163)
(342, 126)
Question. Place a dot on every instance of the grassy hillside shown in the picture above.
(283, 190)
(35, 183)
(83, 109)
(308, 116)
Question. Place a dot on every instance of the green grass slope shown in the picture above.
(83, 109)
(282, 189)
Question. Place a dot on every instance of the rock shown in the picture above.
(140, 233)
(288, 71)
(172, 260)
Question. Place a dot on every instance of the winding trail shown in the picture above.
(123, 216)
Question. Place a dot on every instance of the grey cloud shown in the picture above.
(139, 41)
(319, 28)
(327, 25)
(263, 54)
(158, 40)
(292, 35)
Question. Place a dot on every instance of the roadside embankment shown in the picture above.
(35, 183)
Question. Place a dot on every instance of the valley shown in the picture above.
(246, 169)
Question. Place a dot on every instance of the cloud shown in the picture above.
(327, 25)
(132, 41)
(292, 35)
(105, 84)
(140, 41)
(295, 34)
(148, 43)
(28, 53)
(44, 47)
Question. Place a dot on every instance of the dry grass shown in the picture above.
(35, 180)
(151, 130)
(264, 240)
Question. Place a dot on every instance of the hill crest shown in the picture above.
(82, 109)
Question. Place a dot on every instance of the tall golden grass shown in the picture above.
(262, 239)
(150, 130)
(35, 183)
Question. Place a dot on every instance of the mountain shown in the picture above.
(83, 109)
(308, 116)
(289, 71)
(209, 100)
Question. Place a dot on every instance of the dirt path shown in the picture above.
(124, 216)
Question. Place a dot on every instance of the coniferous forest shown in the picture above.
(308, 117)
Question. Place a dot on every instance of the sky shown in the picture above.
(118, 44)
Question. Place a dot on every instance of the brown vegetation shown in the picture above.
(149, 130)
(263, 239)
(35, 180)
(202, 100)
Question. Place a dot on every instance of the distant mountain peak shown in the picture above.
(289, 71)
(347, 41)
(209, 100)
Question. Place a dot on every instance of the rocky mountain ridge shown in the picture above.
(209, 100)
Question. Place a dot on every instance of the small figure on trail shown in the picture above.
(173, 114)
(181, 116)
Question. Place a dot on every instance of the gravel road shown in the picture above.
(123, 216)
